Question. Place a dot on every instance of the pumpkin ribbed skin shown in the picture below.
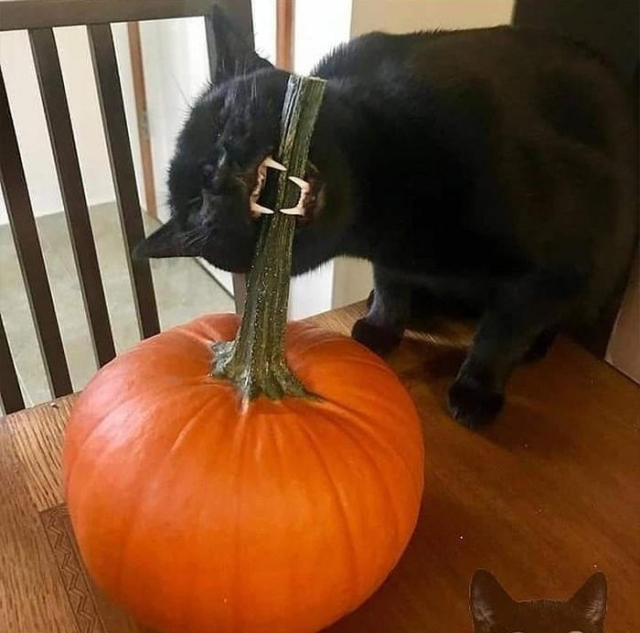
(200, 518)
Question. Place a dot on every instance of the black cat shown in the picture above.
(494, 611)
(495, 166)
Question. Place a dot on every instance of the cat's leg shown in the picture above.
(540, 346)
(519, 321)
(389, 307)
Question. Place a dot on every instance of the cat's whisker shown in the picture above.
(193, 242)
(184, 97)
(194, 238)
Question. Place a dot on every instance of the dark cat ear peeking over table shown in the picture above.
(591, 598)
(494, 611)
(234, 56)
(488, 600)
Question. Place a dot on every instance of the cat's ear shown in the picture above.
(591, 599)
(234, 57)
(487, 600)
(165, 242)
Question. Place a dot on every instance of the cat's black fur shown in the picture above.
(494, 166)
(494, 611)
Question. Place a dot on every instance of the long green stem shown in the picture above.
(255, 360)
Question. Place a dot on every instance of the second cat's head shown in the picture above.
(231, 129)
(494, 611)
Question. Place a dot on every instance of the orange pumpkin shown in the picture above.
(219, 484)
(283, 518)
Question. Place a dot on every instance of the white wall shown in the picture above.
(29, 119)
(319, 27)
(175, 67)
(264, 27)
(353, 279)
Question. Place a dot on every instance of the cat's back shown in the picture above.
(502, 87)
(436, 54)
(507, 58)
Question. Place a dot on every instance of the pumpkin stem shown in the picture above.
(255, 360)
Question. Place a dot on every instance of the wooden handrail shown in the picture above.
(30, 14)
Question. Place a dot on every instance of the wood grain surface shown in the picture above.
(544, 497)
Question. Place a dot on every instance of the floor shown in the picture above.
(184, 290)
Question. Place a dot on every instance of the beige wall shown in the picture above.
(399, 16)
(624, 347)
(353, 280)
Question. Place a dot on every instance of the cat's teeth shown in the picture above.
(305, 187)
(258, 209)
(299, 210)
(303, 184)
(271, 162)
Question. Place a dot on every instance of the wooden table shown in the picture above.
(545, 496)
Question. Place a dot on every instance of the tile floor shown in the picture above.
(184, 290)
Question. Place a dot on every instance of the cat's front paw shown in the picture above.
(540, 346)
(377, 339)
(473, 405)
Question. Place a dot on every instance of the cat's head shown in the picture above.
(494, 611)
(231, 129)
